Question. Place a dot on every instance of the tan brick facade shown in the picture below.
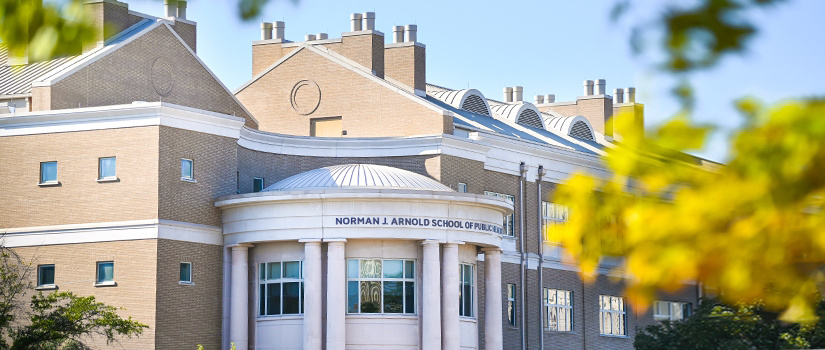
(407, 64)
(597, 110)
(111, 17)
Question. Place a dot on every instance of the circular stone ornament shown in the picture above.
(163, 76)
(305, 97)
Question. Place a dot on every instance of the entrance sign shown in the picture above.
(469, 225)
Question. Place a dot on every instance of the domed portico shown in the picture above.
(397, 252)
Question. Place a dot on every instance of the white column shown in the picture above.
(492, 306)
(430, 297)
(312, 294)
(336, 294)
(239, 295)
(450, 327)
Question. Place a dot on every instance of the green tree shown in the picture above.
(716, 325)
(59, 320)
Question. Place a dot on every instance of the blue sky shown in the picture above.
(547, 46)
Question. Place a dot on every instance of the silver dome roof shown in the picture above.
(358, 176)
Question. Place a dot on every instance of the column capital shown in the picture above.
(431, 241)
(310, 240)
(240, 246)
(454, 242)
(491, 250)
(335, 240)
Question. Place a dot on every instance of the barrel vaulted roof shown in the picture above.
(358, 176)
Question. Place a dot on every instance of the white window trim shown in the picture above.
(106, 178)
(548, 306)
(669, 316)
(97, 276)
(188, 178)
(281, 281)
(54, 182)
(263, 183)
(46, 286)
(622, 313)
(515, 305)
(191, 274)
(458, 188)
(382, 279)
(472, 291)
(545, 219)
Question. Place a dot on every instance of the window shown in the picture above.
(611, 315)
(48, 172)
(462, 187)
(105, 272)
(511, 304)
(376, 286)
(187, 169)
(553, 215)
(466, 293)
(508, 227)
(281, 288)
(558, 310)
(106, 168)
(257, 184)
(186, 273)
(670, 310)
(45, 275)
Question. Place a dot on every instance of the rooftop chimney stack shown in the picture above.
(397, 34)
(518, 93)
(539, 99)
(355, 19)
(412, 33)
(508, 94)
(618, 95)
(631, 95)
(322, 36)
(588, 88)
(182, 9)
(550, 98)
(279, 30)
(369, 20)
(310, 37)
(601, 87)
(266, 30)
(170, 8)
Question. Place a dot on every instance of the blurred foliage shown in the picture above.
(719, 326)
(41, 31)
(753, 229)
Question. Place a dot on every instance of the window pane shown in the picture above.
(274, 270)
(409, 297)
(393, 269)
(551, 297)
(370, 269)
(262, 271)
(292, 302)
(273, 299)
(552, 318)
(257, 184)
(409, 269)
(292, 269)
(467, 306)
(370, 296)
(186, 272)
(352, 268)
(262, 300)
(677, 311)
(186, 168)
(46, 274)
(105, 272)
(511, 312)
(393, 297)
(468, 275)
(352, 296)
(107, 167)
(48, 171)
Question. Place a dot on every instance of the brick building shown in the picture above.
(338, 199)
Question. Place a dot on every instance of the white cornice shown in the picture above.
(122, 116)
(110, 232)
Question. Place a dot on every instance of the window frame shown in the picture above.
(254, 183)
(508, 226)
(686, 308)
(512, 320)
(549, 216)
(100, 176)
(462, 312)
(98, 281)
(404, 280)
(191, 176)
(56, 173)
(281, 281)
(559, 307)
(40, 283)
(191, 273)
(622, 313)
(462, 187)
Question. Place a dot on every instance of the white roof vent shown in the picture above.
(577, 127)
(470, 100)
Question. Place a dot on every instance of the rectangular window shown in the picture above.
(187, 169)
(257, 184)
(511, 304)
(612, 315)
(553, 215)
(106, 168)
(45, 275)
(186, 272)
(281, 288)
(48, 172)
(507, 227)
(462, 187)
(466, 291)
(380, 286)
(105, 271)
(671, 310)
(558, 310)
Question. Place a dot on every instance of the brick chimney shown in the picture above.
(405, 59)
(111, 17)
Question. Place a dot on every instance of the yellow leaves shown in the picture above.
(39, 31)
(753, 228)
